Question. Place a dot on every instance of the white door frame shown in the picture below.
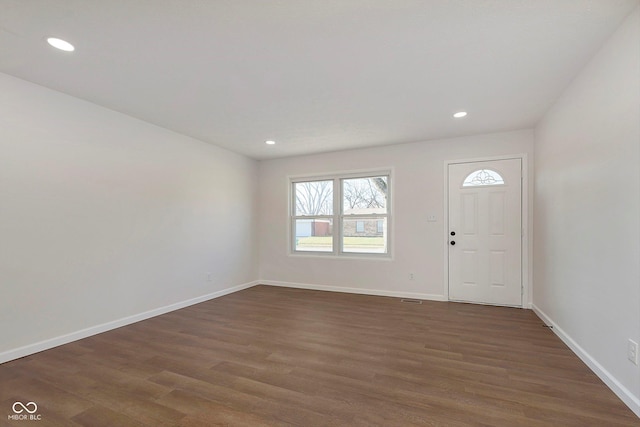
(527, 247)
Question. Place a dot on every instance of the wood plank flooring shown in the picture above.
(270, 356)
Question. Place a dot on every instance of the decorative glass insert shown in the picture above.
(483, 177)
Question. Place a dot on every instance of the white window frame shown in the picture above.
(338, 216)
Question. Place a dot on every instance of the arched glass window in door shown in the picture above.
(483, 177)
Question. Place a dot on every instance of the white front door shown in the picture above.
(485, 232)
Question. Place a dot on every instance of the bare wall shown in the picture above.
(417, 191)
(103, 216)
(587, 212)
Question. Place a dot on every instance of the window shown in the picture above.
(483, 177)
(347, 214)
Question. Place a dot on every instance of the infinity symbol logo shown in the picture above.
(25, 407)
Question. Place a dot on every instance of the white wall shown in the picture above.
(103, 216)
(587, 212)
(417, 191)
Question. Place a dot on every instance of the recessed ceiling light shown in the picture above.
(460, 114)
(61, 44)
(270, 142)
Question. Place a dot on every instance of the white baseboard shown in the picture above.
(620, 390)
(94, 330)
(377, 292)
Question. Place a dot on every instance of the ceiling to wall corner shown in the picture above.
(313, 76)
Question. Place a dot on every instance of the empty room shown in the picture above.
(319, 212)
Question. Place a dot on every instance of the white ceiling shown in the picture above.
(314, 75)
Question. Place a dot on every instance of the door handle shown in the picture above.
(453, 233)
(452, 242)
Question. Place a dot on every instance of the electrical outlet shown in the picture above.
(632, 351)
(208, 277)
(411, 276)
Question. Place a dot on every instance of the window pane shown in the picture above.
(373, 238)
(314, 198)
(314, 235)
(483, 177)
(365, 195)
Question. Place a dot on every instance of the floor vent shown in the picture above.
(411, 301)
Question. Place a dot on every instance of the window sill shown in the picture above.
(352, 257)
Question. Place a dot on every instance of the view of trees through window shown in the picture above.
(361, 218)
(314, 198)
(365, 193)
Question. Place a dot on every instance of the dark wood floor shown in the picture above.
(277, 356)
